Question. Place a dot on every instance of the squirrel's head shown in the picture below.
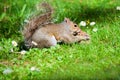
(76, 31)
(82, 36)
(73, 26)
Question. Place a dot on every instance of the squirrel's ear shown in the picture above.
(66, 20)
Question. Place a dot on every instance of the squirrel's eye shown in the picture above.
(75, 25)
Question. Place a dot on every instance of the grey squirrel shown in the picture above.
(38, 33)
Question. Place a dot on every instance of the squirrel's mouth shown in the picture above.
(85, 39)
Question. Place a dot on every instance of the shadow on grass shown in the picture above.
(96, 14)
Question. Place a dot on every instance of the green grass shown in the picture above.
(98, 59)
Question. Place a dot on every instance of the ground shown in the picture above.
(97, 59)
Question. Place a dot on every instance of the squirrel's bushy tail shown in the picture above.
(33, 23)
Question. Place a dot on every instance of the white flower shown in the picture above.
(7, 71)
(33, 68)
(11, 50)
(118, 8)
(95, 29)
(14, 43)
(92, 23)
(23, 52)
(34, 43)
(26, 21)
(82, 23)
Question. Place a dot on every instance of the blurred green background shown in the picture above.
(99, 59)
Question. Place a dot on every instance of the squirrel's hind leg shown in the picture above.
(47, 42)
